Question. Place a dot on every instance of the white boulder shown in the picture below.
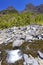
(13, 56)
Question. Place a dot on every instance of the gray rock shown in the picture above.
(40, 61)
(17, 43)
(30, 60)
(29, 37)
(0, 62)
(23, 28)
(8, 40)
(27, 33)
(40, 54)
(0, 55)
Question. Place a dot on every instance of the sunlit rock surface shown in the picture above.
(13, 56)
(40, 54)
(26, 33)
(30, 60)
(39, 60)
(17, 43)
(23, 45)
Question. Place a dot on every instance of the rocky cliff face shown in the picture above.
(32, 8)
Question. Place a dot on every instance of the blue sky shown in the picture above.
(18, 4)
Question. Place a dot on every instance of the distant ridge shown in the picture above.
(8, 10)
(31, 8)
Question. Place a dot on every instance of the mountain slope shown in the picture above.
(8, 10)
(31, 8)
(11, 17)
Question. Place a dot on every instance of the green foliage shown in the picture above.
(23, 19)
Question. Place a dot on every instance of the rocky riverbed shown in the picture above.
(22, 45)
